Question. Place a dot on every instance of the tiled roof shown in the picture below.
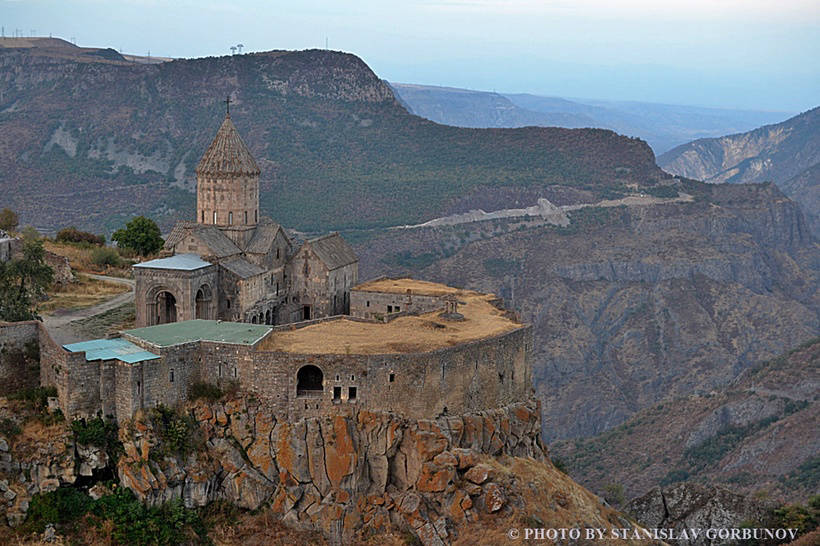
(219, 243)
(227, 154)
(263, 237)
(333, 251)
(185, 262)
(241, 268)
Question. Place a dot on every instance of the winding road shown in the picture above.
(58, 324)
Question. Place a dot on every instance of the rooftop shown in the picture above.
(187, 262)
(409, 334)
(227, 154)
(174, 333)
(108, 349)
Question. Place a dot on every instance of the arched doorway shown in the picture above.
(309, 381)
(267, 317)
(203, 302)
(166, 307)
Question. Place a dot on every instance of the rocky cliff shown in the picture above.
(631, 305)
(756, 434)
(447, 481)
(786, 153)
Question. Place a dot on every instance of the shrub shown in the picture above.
(74, 235)
(106, 256)
(35, 397)
(206, 391)
(60, 506)
(97, 432)
(614, 494)
(560, 465)
(8, 219)
(9, 428)
(178, 434)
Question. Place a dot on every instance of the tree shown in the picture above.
(23, 281)
(141, 235)
(8, 219)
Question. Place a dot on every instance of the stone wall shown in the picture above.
(488, 373)
(19, 361)
(370, 305)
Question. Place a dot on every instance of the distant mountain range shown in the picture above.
(663, 126)
(786, 153)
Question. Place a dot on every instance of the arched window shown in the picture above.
(246, 217)
(309, 381)
(214, 217)
(230, 218)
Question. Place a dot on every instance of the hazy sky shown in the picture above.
(760, 54)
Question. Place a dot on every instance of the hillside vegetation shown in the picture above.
(92, 143)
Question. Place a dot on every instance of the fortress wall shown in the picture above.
(16, 370)
(475, 376)
(157, 384)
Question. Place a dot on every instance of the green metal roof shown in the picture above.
(108, 349)
(174, 333)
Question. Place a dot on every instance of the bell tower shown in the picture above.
(227, 182)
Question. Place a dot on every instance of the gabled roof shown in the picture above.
(263, 237)
(241, 268)
(211, 236)
(333, 250)
(184, 262)
(227, 154)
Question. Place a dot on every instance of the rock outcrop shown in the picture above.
(692, 506)
(337, 474)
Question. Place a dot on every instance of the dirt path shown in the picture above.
(58, 324)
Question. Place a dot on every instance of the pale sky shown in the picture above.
(753, 54)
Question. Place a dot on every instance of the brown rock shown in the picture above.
(340, 456)
(435, 478)
(494, 497)
(478, 474)
(445, 459)
(466, 457)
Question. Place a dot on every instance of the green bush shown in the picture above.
(9, 428)
(35, 397)
(74, 235)
(59, 507)
(106, 256)
(98, 432)
(178, 434)
(206, 391)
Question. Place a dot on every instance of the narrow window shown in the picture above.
(351, 393)
(353, 378)
(389, 308)
(219, 370)
(230, 218)
(171, 377)
(367, 304)
(203, 216)
(228, 303)
(337, 393)
(277, 288)
(234, 373)
(246, 217)
(398, 309)
(256, 216)
(139, 387)
(392, 377)
(214, 217)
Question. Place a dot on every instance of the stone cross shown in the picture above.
(228, 102)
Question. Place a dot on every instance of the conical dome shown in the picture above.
(227, 154)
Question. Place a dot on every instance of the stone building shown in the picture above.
(232, 264)
(421, 363)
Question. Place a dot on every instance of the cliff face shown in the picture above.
(631, 305)
(786, 153)
(91, 142)
(340, 475)
(757, 433)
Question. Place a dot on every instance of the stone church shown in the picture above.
(233, 264)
